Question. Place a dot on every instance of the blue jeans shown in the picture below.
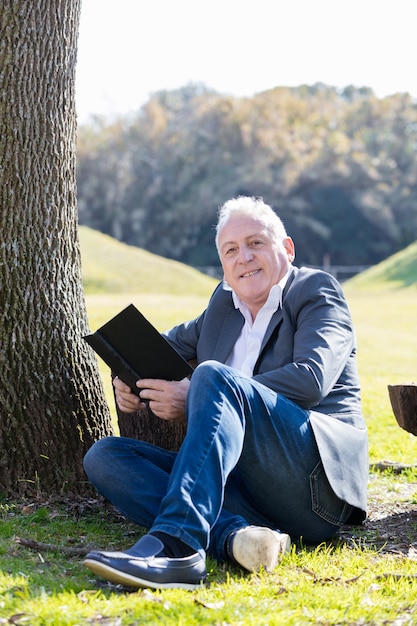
(249, 457)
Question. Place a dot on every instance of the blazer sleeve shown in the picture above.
(314, 344)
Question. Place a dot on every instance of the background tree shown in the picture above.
(52, 405)
(339, 166)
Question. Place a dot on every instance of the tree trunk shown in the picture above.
(144, 425)
(52, 404)
(404, 405)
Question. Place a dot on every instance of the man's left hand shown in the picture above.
(166, 398)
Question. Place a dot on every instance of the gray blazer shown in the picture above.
(308, 354)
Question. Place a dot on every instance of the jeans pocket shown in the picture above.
(324, 501)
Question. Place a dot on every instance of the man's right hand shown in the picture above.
(126, 400)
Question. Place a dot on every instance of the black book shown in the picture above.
(135, 349)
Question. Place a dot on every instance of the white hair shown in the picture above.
(254, 207)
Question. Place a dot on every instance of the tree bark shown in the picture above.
(146, 426)
(52, 404)
(404, 405)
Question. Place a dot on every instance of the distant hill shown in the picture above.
(398, 271)
(109, 266)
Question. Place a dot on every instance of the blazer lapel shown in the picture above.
(229, 331)
(275, 320)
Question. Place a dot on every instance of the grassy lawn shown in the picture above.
(387, 354)
(368, 575)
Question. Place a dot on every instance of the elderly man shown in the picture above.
(276, 445)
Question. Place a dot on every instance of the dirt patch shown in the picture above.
(391, 525)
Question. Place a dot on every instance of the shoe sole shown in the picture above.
(120, 578)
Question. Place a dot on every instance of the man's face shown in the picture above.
(252, 263)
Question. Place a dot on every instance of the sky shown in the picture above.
(129, 49)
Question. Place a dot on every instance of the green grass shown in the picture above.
(383, 301)
(339, 583)
(367, 576)
(387, 354)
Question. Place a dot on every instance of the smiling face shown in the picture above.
(252, 260)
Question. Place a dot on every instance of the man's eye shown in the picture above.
(256, 243)
(230, 251)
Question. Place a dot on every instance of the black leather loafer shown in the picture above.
(140, 566)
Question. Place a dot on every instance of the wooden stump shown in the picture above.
(404, 405)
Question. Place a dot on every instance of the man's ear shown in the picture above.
(288, 244)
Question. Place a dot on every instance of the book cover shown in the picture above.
(133, 348)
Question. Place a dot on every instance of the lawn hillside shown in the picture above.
(397, 272)
(112, 267)
(383, 300)
(367, 575)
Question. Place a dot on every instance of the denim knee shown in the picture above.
(211, 373)
(96, 461)
(207, 369)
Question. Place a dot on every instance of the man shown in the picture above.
(276, 445)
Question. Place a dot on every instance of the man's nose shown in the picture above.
(245, 254)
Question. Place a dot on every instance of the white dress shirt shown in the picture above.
(247, 347)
